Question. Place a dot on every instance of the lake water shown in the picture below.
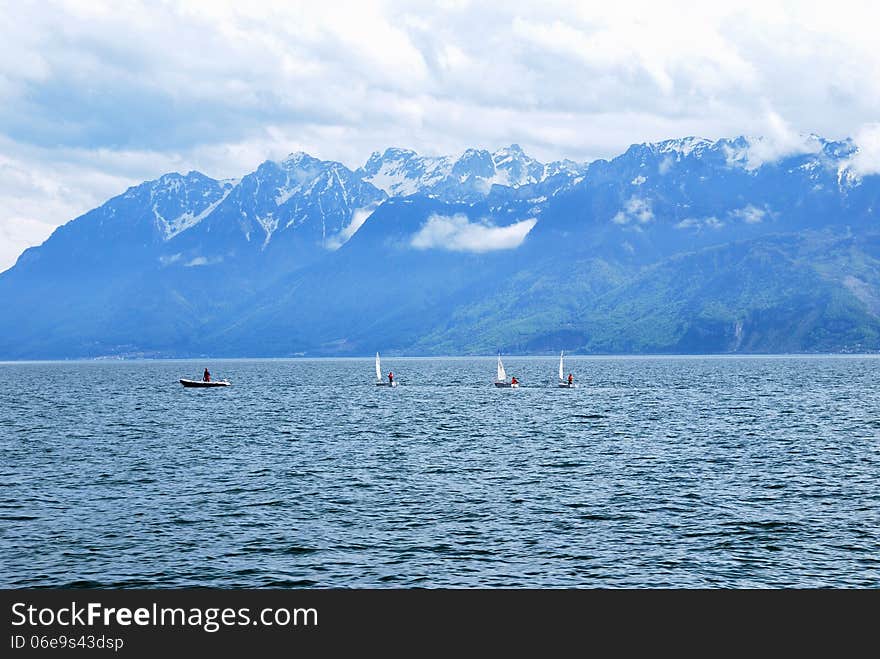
(656, 472)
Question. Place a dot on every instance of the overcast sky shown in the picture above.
(96, 96)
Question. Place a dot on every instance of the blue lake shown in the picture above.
(655, 472)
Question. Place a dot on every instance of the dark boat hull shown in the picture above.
(200, 383)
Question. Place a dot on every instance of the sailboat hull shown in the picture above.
(565, 385)
(386, 384)
(506, 385)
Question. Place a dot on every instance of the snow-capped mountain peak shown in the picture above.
(298, 159)
(180, 201)
(513, 168)
(684, 146)
(467, 176)
(316, 199)
(319, 200)
(400, 172)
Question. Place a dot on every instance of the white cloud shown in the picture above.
(866, 160)
(357, 220)
(38, 193)
(750, 214)
(710, 222)
(458, 234)
(777, 141)
(100, 95)
(636, 211)
(173, 258)
(17, 234)
(201, 260)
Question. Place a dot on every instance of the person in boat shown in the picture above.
(207, 376)
(570, 380)
(391, 378)
(513, 380)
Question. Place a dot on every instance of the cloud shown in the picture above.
(358, 218)
(866, 160)
(103, 74)
(458, 234)
(201, 260)
(778, 141)
(636, 211)
(711, 222)
(36, 197)
(173, 258)
(16, 235)
(97, 96)
(751, 214)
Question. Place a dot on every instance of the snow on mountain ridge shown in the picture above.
(171, 228)
(473, 172)
(684, 146)
(179, 202)
(304, 190)
(402, 172)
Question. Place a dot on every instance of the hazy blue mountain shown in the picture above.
(804, 292)
(807, 292)
(143, 273)
(686, 245)
(127, 228)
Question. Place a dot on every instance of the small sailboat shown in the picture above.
(501, 377)
(563, 381)
(380, 381)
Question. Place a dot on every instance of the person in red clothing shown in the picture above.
(207, 376)
(570, 379)
(390, 378)
(513, 380)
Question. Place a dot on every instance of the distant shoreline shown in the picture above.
(604, 357)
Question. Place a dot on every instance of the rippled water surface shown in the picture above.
(656, 472)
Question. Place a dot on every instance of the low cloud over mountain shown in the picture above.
(458, 234)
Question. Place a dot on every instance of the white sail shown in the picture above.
(501, 374)
(561, 369)
(378, 368)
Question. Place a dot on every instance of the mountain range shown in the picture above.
(681, 246)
